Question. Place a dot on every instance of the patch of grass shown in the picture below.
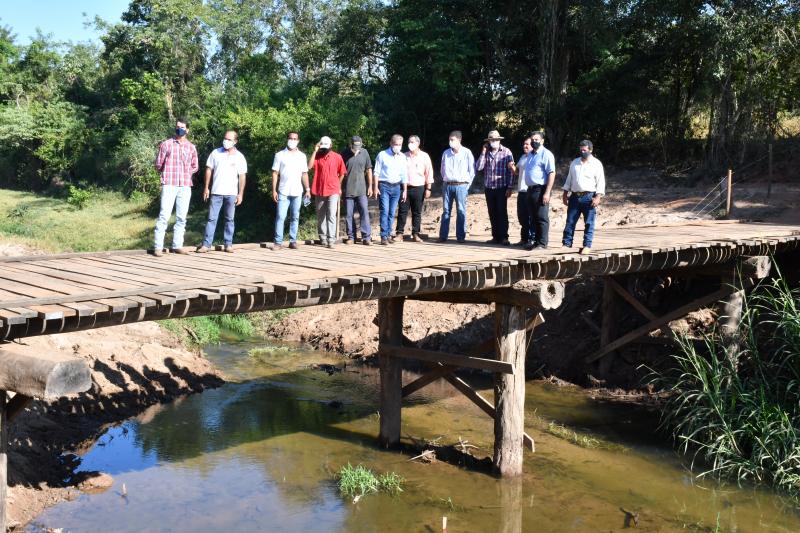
(581, 439)
(358, 481)
(739, 412)
(267, 352)
(202, 330)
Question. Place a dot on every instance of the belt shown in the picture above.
(583, 193)
(456, 182)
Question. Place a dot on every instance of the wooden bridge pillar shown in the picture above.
(3, 460)
(509, 389)
(390, 333)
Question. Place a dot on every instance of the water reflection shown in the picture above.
(259, 454)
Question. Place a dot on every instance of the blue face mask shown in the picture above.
(180, 132)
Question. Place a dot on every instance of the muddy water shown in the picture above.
(259, 455)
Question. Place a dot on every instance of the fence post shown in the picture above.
(729, 204)
(769, 182)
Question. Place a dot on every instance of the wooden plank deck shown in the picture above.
(67, 292)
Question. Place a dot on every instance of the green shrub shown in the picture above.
(357, 481)
(79, 198)
(741, 415)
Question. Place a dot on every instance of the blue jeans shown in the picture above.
(284, 204)
(360, 203)
(580, 205)
(176, 197)
(214, 204)
(390, 197)
(459, 194)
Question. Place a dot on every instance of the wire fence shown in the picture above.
(718, 195)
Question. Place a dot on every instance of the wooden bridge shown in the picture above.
(68, 292)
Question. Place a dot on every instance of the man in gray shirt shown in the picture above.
(357, 187)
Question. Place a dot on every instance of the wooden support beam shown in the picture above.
(3, 461)
(431, 356)
(636, 304)
(426, 379)
(46, 376)
(390, 332)
(535, 294)
(488, 345)
(509, 390)
(655, 324)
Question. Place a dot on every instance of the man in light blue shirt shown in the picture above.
(391, 175)
(458, 170)
(540, 175)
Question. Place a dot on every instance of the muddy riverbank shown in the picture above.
(133, 366)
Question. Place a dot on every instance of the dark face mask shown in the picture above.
(584, 155)
(180, 132)
(323, 151)
(536, 145)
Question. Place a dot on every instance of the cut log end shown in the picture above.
(43, 376)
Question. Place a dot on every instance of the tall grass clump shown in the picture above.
(738, 412)
(358, 481)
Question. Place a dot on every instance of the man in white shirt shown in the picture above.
(289, 187)
(524, 215)
(585, 186)
(458, 171)
(226, 170)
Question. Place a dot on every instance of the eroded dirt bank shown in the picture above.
(133, 366)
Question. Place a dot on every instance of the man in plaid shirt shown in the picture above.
(498, 181)
(176, 162)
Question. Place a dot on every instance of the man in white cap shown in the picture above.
(498, 182)
(329, 171)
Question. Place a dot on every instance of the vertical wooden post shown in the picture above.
(728, 202)
(3, 460)
(390, 331)
(609, 327)
(730, 316)
(509, 390)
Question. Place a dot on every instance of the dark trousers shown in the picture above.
(414, 200)
(357, 203)
(540, 214)
(497, 203)
(524, 217)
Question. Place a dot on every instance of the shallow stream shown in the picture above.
(260, 453)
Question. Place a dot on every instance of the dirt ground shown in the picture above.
(635, 197)
(133, 366)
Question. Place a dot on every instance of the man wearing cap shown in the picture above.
(289, 187)
(391, 175)
(357, 187)
(585, 186)
(498, 183)
(458, 171)
(540, 175)
(420, 181)
(329, 171)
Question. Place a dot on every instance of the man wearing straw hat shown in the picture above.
(329, 171)
(498, 181)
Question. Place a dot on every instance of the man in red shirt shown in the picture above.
(329, 171)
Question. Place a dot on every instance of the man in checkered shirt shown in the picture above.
(176, 162)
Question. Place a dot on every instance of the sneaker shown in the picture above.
(329, 245)
(157, 252)
(522, 243)
(565, 245)
(276, 247)
(202, 249)
(228, 248)
(293, 245)
(179, 251)
(366, 242)
(505, 242)
(391, 239)
(586, 250)
(384, 241)
(441, 240)
(347, 241)
(416, 238)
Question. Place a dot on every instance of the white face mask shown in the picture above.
(292, 143)
(495, 145)
(455, 144)
(227, 144)
(396, 149)
(413, 146)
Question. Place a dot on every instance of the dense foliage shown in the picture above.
(741, 415)
(669, 82)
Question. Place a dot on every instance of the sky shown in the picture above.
(64, 19)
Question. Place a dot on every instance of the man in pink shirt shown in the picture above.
(420, 180)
